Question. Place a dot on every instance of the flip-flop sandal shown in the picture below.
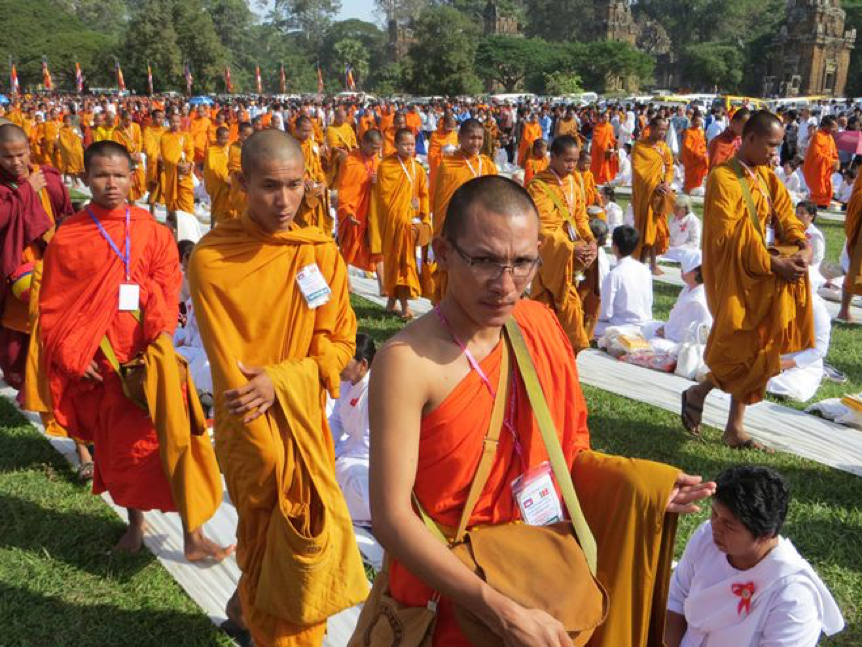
(833, 374)
(688, 422)
(240, 636)
(85, 471)
(752, 445)
(408, 316)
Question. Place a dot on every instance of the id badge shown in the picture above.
(313, 286)
(415, 204)
(130, 297)
(537, 497)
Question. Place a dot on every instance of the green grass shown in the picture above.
(60, 584)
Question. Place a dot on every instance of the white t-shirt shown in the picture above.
(685, 231)
(627, 294)
(690, 308)
(349, 420)
(614, 214)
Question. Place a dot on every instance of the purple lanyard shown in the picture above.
(126, 258)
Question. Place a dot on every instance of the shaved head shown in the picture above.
(372, 137)
(268, 146)
(10, 132)
(470, 125)
(761, 124)
(490, 193)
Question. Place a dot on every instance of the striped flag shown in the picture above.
(149, 78)
(187, 73)
(121, 82)
(13, 79)
(319, 80)
(79, 78)
(257, 77)
(283, 80)
(228, 86)
(351, 84)
(47, 83)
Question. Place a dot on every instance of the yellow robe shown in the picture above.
(852, 229)
(757, 317)
(234, 166)
(152, 149)
(295, 544)
(563, 221)
(341, 136)
(133, 141)
(314, 211)
(71, 151)
(651, 165)
(399, 205)
(178, 192)
(102, 134)
(217, 182)
(51, 149)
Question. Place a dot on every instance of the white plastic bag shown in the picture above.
(689, 363)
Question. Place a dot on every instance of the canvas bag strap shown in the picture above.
(557, 203)
(552, 443)
(746, 193)
(108, 349)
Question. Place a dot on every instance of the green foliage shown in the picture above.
(386, 79)
(442, 60)
(309, 18)
(559, 20)
(563, 83)
(854, 21)
(360, 43)
(710, 65)
(506, 60)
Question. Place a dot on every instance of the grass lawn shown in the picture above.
(59, 584)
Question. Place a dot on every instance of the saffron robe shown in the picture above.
(757, 317)
(723, 147)
(531, 132)
(694, 159)
(177, 191)
(819, 166)
(439, 141)
(623, 500)
(354, 199)
(200, 137)
(314, 211)
(70, 145)
(152, 149)
(280, 468)
(133, 141)
(393, 219)
(338, 137)
(237, 198)
(604, 162)
(651, 165)
(589, 190)
(217, 182)
(852, 228)
(534, 166)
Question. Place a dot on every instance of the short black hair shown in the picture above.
(470, 124)
(599, 228)
(827, 121)
(105, 148)
(495, 193)
(757, 496)
(626, 239)
(609, 192)
(563, 143)
(741, 114)
(185, 247)
(809, 206)
(365, 348)
(400, 133)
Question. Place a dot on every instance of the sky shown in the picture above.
(362, 9)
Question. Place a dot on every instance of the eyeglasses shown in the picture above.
(487, 269)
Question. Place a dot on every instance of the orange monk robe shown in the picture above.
(51, 137)
(400, 215)
(314, 211)
(852, 228)
(342, 137)
(133, 141)
(386, 119)
(489, 143)
(532, 131)
(36, 145)
(623, 500)
(819, 166)
(177, 191)
(568, 127)
(589, 190)
(200, 136)
(651, 165)
(236, 197)
(722, 147)
(533, 166)
(439, 140)
(758, 318)
(366, 122)
(296, 570)
(354, 186)
(563, 221)
(217, 183)
(604, 162)
(71, 149)
(694, 159)
(103, 134)
(78, 307)
(152, 149)
(414, 122)
(389, 141)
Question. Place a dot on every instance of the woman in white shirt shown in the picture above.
(739, 583)
(349, 424)
(685, 229)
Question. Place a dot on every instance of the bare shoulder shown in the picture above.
(410, 360)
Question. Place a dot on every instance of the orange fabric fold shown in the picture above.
(354, 200)
(818, 168)
(694, 159)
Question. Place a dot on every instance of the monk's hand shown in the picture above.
(254, 398)
(37, 181)
(309, 186)
(662, 188)
(91, 373)
(687, 491)
(790, 269)
(522, 627)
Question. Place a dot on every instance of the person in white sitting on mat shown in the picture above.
(685, 229)
(627, 289)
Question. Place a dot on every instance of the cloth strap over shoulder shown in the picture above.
(746, 194)
(570, 218)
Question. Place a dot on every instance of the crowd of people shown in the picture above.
(507, 218)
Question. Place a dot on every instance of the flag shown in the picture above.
(121, 83)
(13, 80)
(46, 75)
(351, 84)
(187, 73)
(283, 80)
(319, 80)
(79, 78)
(228, 86)
(257, 77)
(149, 78)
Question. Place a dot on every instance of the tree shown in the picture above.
(563, 83)
(710, 65)
(199, 43)
(151, 37)
(599, 61)
(442, 60)
(506, 60)
(854, 21)
(387, 79)
(369, 42)
(352, 52)
(558, 20)
(310, 18)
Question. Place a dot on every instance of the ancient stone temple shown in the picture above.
(497, 24)
(613, 20)
(811, 53)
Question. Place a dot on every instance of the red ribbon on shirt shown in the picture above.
(745, 592)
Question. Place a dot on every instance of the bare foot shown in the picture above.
(407, 315)
(233, 610)
(844, 316)
(198, 548)
(133, 539)
(657, 271)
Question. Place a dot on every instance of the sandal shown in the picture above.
(85, 471)
(240, 636)
(752, 445)
(689, 422)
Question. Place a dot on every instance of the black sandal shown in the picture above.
(689, 423)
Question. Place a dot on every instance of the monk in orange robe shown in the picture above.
(71, 149)
(532, 130)
(568, 125)
(852, 228)
(103, 128)
(86, 324)
(568, 280)
(50, 139)
(368, 121)
(586, 181)
(761, 302)
(200, 133)
(354, 184)
(724, 145)
(237, 192)
(693, 156)
(430, 414)
(652, 173)
(277, 343)
(446, 138)
(128, 134)
(152, 149)
(821, 161)
(400, 219)
(465, 164)
(314, 211)
(537, 161)
(413, 120)
(604, 162)
(176, 156)
(341, 139)
(398, 122)
(217, 177)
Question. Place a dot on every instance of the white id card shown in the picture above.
(415, 204)
(537, 497)
(130, 297)
(313, 286)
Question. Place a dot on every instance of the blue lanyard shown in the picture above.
(128, 255)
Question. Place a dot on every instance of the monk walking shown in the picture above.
(853, 231)
(272, 305)
(652, 173)
(71, 149)
(110, 294)
(431, 397)
(340, 139)
(724, 145)
(443, 142)
(128, 134)
(152, 149)
(694, 157)
(234, 167)
(604, 163)
(314, 211)
(176, 157)
(821, 161)
(400, 221)
(760, 301)
(217, 177)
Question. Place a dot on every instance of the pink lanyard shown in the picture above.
(470, 358)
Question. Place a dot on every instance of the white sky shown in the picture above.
(362, 9)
